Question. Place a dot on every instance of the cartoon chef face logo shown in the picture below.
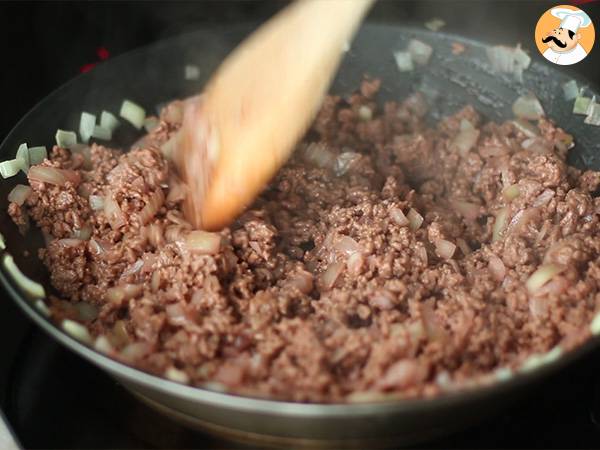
(565, 35)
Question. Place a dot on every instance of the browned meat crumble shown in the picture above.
(329, 288)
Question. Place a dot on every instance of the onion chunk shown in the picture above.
(133, 113)
(203, 242)
(542, 275)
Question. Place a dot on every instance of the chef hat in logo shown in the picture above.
(571, 20)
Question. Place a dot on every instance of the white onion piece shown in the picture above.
(173, 112)
(302, 280)
(77, 331)
(511, 192)
(511, 60)
(173, 374)
(155, 202)
(543, 198)
(466, 138)
(23, 156)
(528, 107)
(404, 61)
(542, 275)
(419, 51)
(109, 121)
(19, 194)
(52, 175)
(134, 268)
(86, 126)
(102, 344)
(113, 212)
(37, 155)
(570, 90)
(30, 287)
(365, 113)
(203, 242)
(499, 224)
(102, 133)
(536, 145)
(399, 217)
(526, 128)
(10, 168)
(96, 202)
(593, 115)
(355, 263)
(344, 162)
(331, 274)
(65, 139)
(347, 245)
(191, 72)
(150, 123)
(136, 350)
(318, 154)
(415, 219)
(445, 249)
(83, 233)
(121, 293)
(581, 105)
(133, 113)
(468, 210)
(497, 268)
(168, 148)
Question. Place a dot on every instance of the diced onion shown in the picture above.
(404, 61)
(570, 90)
(192, 72)
(344, 162)
(499, 224)
(399, 217)
(103, 345)
(543, 198)
(10, 168)
(121, 293)
(173, 112)
(465, 139)
(497, 268)
(77, 331)
(96, 202)
(355, 263)
(23, 156)
(65, 139)
(84, 233)
(41, 307)
(581, 105)
(203, 242)
(419, 51)
(511, 192)
(113, 212)
(528, 107)
(511, 60)
(365, 113)
(154, 204)
(302, 280)
(526, 128)
(318, 154)
(109, 121)
(102, 133)
(52, 175)
(136, 350)
(37, 155)
(415, 219)
(435, 24)
(542, 275)
(331, 274)
(168, 148)
(445, 249)
(30, 287)
(347, 245)
(150, 123)
(536, 145)
(19, 194)
(133, 113)
(176, 375)
(593, 116)
(86, 126)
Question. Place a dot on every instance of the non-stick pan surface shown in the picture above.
(154, 75)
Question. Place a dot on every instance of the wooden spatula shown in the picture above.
(259, 104)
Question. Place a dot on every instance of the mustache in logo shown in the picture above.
(555, 40)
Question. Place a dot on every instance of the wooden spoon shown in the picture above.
(258, 105)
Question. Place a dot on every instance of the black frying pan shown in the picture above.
(154, 75)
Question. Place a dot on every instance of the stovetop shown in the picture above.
(54, 399)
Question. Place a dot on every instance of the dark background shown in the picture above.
(44, 44)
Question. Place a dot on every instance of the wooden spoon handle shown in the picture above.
(259, 103)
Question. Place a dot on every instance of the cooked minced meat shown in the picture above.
(386, 257)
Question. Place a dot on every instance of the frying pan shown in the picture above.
(153, 75)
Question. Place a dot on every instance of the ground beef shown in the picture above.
(381, 259)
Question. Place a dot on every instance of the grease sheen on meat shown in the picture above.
(367, 266)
